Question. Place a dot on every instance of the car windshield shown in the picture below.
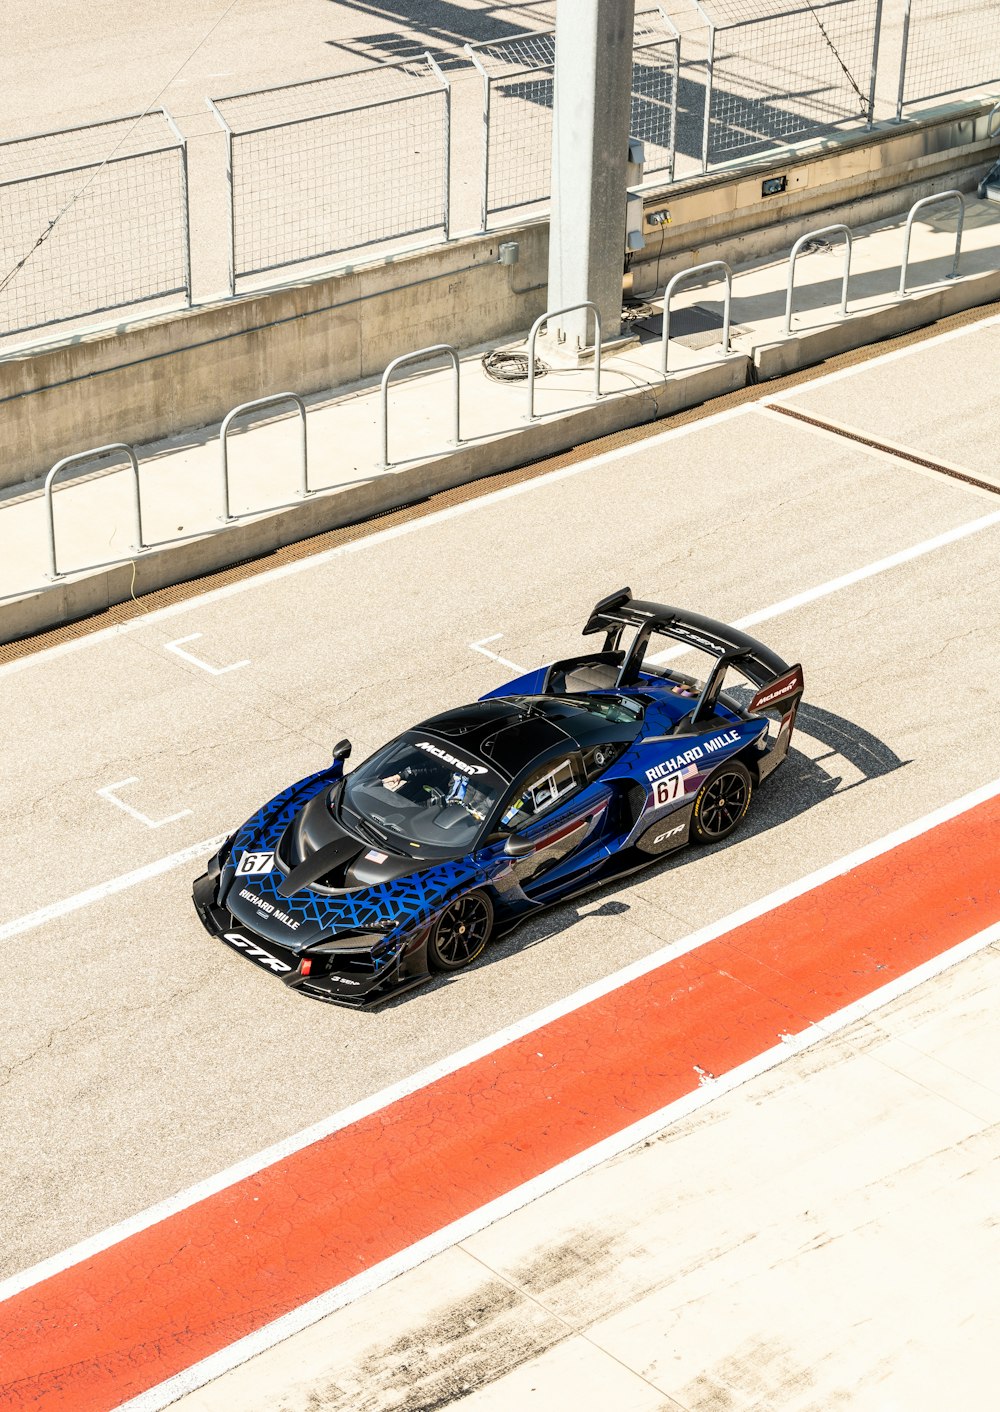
(425, 791)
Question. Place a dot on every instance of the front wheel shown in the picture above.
(461, 932)
(721, 803)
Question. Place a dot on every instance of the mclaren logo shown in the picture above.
(463, 765)
(256, 953)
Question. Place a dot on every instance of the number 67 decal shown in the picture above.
(666, 790)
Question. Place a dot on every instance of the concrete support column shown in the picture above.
(590, 131)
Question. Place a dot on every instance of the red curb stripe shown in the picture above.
(123, 1321)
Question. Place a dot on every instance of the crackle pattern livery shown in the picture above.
(356, 887)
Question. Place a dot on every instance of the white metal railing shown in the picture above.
(920, 206)
(451, 353)
(436, 350)
(79, 456)
(681, 278)
(277, 400)
(796, 251)
(544, 319)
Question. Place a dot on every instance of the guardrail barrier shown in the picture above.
(277, 400)
(79, 456)
(681, 278)
(796, 250)
(920, 206)
(436, 350)
(544, 319)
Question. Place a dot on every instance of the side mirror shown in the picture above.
(516, 847)
(341, 750)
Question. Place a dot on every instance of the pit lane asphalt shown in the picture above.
(141, 1056)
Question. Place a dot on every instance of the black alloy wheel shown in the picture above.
(461, 932)
(721, 803)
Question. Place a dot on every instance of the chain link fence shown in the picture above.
(92, 219)
(947, 47)
(518, 78)
(656, 61)
(95, 219)
(338, 164)
(518, 85)
(777, 73)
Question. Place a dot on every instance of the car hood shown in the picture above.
(326, 881)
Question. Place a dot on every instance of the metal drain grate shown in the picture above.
(695, 326)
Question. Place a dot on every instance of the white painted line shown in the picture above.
(481, 647)
(83, 899)
(891, 561)
(108, 793)
(453, 511)
(176, 648)
(880, 566)
(897, 353)
(452, 1062)
(708, 1090)
(268, 576)
(102, 890)
(98, 893)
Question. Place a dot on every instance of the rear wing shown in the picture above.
(779, 686)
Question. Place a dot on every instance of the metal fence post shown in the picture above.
(793, 256)
(446, 212)
(681, 277)
(674, 97)
(92, 454)
(709, 70)
(876, 38)
(229, 194)
(554, 314)
(419, 356)
(484, 202)
(902, 62)
(919, 206)
(274, 401)
(185, 201)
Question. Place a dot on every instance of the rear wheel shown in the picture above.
(722, 802)
(461, 932)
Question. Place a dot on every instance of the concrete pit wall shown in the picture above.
(158, 377)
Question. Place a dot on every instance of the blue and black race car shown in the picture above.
(356, 887)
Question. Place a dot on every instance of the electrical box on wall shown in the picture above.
(636, 162)
(634, 238)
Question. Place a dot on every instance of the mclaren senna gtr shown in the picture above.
(353, 887)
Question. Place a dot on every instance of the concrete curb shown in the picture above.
(916, 310)
(93, 591)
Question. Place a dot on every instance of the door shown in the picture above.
(546, 823)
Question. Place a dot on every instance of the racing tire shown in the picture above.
(721, 804)
(460, 934)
